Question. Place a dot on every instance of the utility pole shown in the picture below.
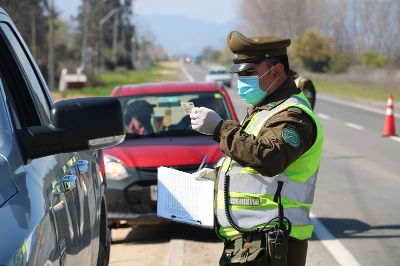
(115, 41)
(133, 47)
(111, 13)
(86, 20)
(51, 46)
(33, 34)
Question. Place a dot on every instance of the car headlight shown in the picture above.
(115, 169)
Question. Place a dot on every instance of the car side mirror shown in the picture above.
(76, 124)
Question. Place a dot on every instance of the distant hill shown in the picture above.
(180, 35)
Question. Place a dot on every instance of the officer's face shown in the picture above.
(265, 71)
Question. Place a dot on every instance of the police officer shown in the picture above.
(275, 151)
(306, 85)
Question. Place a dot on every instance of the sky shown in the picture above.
(214, 11)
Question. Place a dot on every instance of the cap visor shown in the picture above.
(236, 68)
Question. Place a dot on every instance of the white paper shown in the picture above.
(187, 107)
(182, 198)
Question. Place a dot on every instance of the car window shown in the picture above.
(42, 102)
(159, 115)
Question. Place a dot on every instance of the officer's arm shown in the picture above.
(283, 139)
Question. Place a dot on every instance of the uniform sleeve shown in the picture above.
(283, 139)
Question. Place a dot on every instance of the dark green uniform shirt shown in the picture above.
(268, 153)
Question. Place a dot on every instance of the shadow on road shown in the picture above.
(150, 234)
(352, 228)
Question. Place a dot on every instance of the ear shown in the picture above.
(279, 69)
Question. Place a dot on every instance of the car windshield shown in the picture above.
(218, 72)
(162, 114)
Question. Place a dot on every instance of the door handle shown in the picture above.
(82, 166)
(67, 183)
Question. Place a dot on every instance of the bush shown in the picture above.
(313, 51)
(339, 63)
(373, 59)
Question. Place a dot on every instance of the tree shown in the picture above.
(91, 12)
(313, 51)
(31, 19)
(288, 18)
(210, 54)
(354, 26)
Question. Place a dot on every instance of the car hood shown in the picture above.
(166, 151)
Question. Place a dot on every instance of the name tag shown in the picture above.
(245, 201)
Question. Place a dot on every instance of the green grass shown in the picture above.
(107, 81)
(354, 90)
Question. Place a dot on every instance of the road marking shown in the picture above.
(395, 138)
(337, 250)
(324, 116)
(354, 105)
(176, 252)
(185, 71)
(355, 126)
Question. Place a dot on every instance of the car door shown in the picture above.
(29, 103)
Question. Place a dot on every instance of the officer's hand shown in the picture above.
(205, 173)
(204, 120)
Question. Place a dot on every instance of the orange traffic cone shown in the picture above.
(390, 128)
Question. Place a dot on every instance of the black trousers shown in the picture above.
(297, 252)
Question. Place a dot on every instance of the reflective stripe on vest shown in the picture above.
(249, 186)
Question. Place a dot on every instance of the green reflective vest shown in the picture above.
(251, 194)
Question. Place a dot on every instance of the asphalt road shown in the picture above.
(357, 204)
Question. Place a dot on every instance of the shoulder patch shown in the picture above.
(291, 137)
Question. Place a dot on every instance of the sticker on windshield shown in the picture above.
(217, 96)
(187, 107)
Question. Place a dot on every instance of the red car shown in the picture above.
(158, 134)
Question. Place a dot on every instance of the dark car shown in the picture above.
(52, 193)
(158, 134)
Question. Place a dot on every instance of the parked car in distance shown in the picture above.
(220, 74)
(198, 60)
(158, 134)
(53, 209)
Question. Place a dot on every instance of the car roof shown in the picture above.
(166, 87)
(218, 68)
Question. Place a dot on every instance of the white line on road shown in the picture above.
(176, 252)
(395, 138)
(355, 126)
(337, 250)
(354, 105)
(324, 116)
(188, 76)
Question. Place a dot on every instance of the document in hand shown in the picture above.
(182, 198)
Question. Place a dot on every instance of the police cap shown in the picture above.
(248, 52)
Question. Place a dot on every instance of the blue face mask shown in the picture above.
(249, 88)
